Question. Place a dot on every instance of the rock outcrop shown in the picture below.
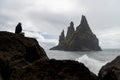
(21, 58)
(62, 39)
(16, 48)
(70, 31)
(110, 71)
(53, 70)
(83, 39)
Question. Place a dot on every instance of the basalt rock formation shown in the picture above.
(62, 39)
(81, 39)
(21, 58)
(110, 71)
(70, 31)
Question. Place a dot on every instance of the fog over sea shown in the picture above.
(94, 60)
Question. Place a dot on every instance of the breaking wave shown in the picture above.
(93, 64)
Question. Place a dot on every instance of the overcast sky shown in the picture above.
(45, 19)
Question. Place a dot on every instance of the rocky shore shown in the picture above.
(111, 71)
(21, 58)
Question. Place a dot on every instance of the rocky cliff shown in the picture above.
(14, 49)
(21, 58)
(111, 71)
(81, 39)
(52, 70)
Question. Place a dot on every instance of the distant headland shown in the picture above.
(81, 39)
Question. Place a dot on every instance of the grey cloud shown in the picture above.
(103, 17)
(48, 17)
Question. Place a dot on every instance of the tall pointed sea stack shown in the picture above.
(62, 39)
(84, 26)
(70, 31)
(83, 39)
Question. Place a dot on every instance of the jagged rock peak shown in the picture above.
(83, 20)
(70, 30)
(84, 26)
(62, 35)
(61, 38)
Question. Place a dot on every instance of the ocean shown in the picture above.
(94, 60)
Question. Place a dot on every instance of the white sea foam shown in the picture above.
(93, 65)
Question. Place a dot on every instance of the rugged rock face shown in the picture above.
(15, 48)
(83, 39)
(21, 58)
(70, 31)
(84, 26)
(53, 70)
(61, 43)
(62, 39)
(111, 71)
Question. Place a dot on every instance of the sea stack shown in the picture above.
(81, 39)
(62, 39)
(70, 31)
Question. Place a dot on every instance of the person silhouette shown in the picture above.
(18, 28)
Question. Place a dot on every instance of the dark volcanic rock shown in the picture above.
(111, 71)
(70, 31)
(84, 26)
(15, 48)
(61, 43)
(83, 39)
(61, 39)
(21, 58)
(53, 70)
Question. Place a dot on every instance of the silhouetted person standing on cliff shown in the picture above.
(18, 28)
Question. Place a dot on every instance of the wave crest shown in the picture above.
(93, 64)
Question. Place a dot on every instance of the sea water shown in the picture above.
(94, 60)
